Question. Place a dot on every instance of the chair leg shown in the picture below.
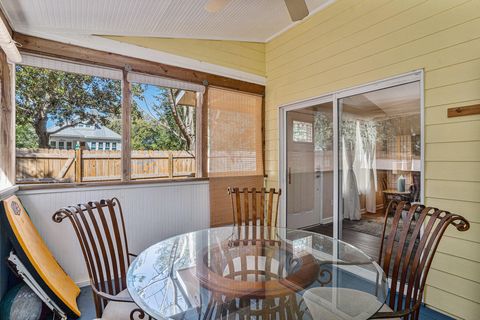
(141, 314)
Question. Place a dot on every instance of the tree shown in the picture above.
(64, 99)
(25, 136)
(165, 120)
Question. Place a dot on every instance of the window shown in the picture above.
(302, 131)
(234, 133)
(114, 146)
(163, 134)
(107, 145)
(100, 146)
(79, 96)
(93, 145)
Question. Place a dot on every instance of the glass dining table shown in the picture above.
(256, 273)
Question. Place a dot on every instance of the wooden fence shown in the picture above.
(55, 165)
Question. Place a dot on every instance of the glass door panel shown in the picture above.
(379, 158)
(309, 150)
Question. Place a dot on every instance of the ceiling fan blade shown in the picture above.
(215, 5)
(297, 9)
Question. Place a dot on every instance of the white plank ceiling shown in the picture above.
(244, 20)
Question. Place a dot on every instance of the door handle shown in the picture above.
(289, 175)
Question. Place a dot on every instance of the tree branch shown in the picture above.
(177, 119)
(63, 128)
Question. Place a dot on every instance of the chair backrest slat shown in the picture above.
(262, 207)
(100, 229)
(238, 206)
(111, 250)
(407, 250)
(265, 210)
(254, 204)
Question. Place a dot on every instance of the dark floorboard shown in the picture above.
(365, 242)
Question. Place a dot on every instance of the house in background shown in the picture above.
(96, 137)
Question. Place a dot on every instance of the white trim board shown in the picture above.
(130, 50)
(63, 189)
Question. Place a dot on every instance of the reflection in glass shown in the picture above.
(236, 272)
(380, 149)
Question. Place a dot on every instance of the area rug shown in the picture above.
(372, 227)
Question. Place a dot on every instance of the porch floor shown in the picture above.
(85, 303)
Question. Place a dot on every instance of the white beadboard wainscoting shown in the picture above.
(152, 212)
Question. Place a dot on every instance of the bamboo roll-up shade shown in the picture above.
(66, 66)
(164, 82)
(234, 133)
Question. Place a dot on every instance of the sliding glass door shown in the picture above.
(379, 158)
(345, 156)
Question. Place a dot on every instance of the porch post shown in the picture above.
(7, 122)
(126, 121)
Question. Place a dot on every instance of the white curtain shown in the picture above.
(350, 195)
(371, 178)
(364, 165)
(360, 160)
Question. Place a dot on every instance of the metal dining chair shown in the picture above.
(409, 241)
(255, 206)
(100, 230)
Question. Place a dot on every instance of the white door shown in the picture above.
(309, 145)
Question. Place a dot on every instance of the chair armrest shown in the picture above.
(131, 256)
(109, 297)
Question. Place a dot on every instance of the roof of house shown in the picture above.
(90, 132)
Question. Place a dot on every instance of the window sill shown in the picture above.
(7, 191)
(28, 187)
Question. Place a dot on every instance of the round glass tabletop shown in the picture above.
(256, 272)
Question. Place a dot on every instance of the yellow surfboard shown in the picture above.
(35, 255)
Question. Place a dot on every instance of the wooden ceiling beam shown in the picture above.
(44, 47)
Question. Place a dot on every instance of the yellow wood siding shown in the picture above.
(355, 42)
(243, 56)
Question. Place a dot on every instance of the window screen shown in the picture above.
(234, 133)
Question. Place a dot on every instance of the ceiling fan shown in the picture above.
(297, 8)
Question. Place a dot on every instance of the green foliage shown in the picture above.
(156, 122)
(25, 136)
(146, 135)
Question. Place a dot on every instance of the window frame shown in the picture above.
(126, 124)
(79, 54)
(190, 77)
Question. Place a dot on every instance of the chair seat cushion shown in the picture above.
(120, 310)
(349, 304)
